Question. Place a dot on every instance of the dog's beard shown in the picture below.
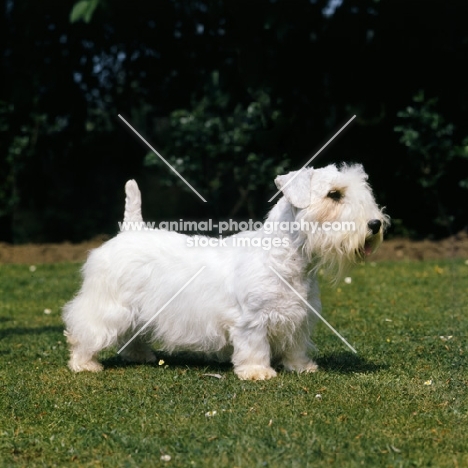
(335, 254)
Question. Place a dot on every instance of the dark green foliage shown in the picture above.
(83, 10)
(428, 137)
(437, 165)
(69, 68)
(227, 146)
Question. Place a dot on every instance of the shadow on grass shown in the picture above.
(177, 360)
(337, 362)
(346, 362)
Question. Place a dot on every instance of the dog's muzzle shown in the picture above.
(374, 225)
(370, 243)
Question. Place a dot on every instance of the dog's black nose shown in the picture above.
(374, 225)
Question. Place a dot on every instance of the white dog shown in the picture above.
(227, 302)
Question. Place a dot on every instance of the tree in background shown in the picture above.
(288, 74)
(436, 165)
(227, 146)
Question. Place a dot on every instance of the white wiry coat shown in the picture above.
(237, 307)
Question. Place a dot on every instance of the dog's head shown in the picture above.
(345, 223)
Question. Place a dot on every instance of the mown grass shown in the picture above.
(401, 402)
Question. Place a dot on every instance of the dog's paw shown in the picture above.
(307, 367)
(311, 367)
(255, 372)
(90, 366)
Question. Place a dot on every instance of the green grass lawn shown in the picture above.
(402, 401)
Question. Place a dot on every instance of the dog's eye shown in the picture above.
(335, 195)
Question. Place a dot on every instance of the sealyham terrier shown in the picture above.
(243, 300)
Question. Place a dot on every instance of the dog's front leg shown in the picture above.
(251, 355)
(295, 359)
(295, 356)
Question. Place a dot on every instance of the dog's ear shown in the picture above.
(296, 187)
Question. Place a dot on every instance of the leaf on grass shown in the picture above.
(216, 376)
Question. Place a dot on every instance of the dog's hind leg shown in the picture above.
(93, 323)
(81, 358)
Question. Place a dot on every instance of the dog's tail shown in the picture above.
(132, 213)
